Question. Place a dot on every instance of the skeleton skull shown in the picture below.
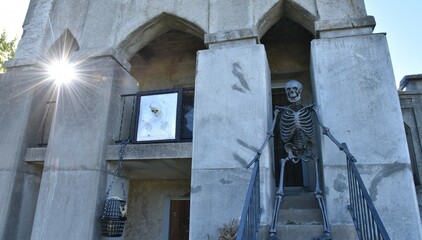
(293, 91)
(155, 109)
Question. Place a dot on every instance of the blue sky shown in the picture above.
(401, 20)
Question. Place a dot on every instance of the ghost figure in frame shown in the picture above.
(155, 121)
(297, 130)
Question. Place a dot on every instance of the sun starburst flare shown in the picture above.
(62, 72)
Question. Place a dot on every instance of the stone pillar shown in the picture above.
(410, 101)
(20, 114)
(357, 99)
(73, 184)
(232, 117)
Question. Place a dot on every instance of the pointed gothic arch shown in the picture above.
(304, 14)
(157, 26)
(63, 46)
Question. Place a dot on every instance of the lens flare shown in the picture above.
(61, 72)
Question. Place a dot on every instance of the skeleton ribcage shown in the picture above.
(296, 127)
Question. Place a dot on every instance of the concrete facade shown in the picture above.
(410, 94)
(232, 55)
(239, 73)
(371, 84)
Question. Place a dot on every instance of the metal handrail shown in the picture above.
(251, 214)
(365, 216)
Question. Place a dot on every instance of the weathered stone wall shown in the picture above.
(148, 207)
(167, 62)
(233, 89)
(21, 115)
(357, 99)
(411, 101)
(130, 25)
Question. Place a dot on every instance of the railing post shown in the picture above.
(251, 214)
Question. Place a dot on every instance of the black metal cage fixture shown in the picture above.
(114, 218)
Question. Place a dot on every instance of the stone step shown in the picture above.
(300, 216)
(311, 231)
(299, 202)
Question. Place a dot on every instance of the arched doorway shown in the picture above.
(160, 186)
(288, 50)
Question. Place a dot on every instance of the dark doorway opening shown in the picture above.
(412, 155)
(179, 219)
(293, 175)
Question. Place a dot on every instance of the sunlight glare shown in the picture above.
(61, 72)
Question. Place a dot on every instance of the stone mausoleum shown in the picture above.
(213, 72)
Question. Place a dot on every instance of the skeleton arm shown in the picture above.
(270, 134)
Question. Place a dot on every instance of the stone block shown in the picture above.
(412, 83)
(19, 118)
(68, 200)
(328, 9)
(344, 27)
(356, 97)
(149, 207)
(232, 90)
(232, 117)
(229, 15)
(217, 197)
(371, 121)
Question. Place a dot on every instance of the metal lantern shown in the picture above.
(115, 208)
(114, 217)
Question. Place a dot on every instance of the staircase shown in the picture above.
(300, 218)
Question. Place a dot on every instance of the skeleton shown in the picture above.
(123, 211)
(297, 130)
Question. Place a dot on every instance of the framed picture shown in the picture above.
(158, 116)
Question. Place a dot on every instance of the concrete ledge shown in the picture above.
(344, 27)
(76, 56)
(133, 152)
(239, 34)
(152, 151)
(412, 83)
(35, 155)
(20, 62)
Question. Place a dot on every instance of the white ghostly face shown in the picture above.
(155, 109)
(293, 91)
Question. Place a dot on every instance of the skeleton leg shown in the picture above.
(318, 195)
(278, 200)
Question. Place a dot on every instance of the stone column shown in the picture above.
(232, 117)
(20, 113)
(357, 99)
(73, 184)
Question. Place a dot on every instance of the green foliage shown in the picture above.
(7, 50)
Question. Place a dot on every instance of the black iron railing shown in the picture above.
(127, 116)
(365, 217)
(251, 215)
